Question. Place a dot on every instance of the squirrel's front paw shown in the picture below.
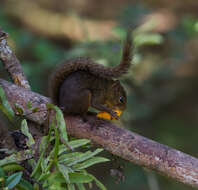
(114, 115)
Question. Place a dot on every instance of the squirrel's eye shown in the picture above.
(121, 99)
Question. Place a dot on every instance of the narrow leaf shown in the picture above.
(25, 131)
(13, 180)
(56, 147)
(85, 156)
(25, 185)
(36, 186)
(68, 156)
(8, 160)
(70, 187)
(34, 110)
(98, 183)
(19, 109)
(64, 171)
(56, 176)
(79, 178)
(2, 173)
(29, 105)
(5, 106)
(60, 122)
(89, 163)
(36, 169)
(148, 39)
(12, 167)
(78, 143)
(80, 186)
(74, 144)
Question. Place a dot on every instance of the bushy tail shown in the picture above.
(86, 64)
(122, 68)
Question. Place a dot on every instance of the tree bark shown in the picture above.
(119, 141)
(11, 63)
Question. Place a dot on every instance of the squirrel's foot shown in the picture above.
(95, 122)
(86, 117)
(114, 115)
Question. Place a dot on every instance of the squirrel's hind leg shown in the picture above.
(76, 103)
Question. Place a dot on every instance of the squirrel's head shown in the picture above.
(117, 97)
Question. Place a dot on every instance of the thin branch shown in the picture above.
(119, 141)
(18, 96)
(13, 66)
(11, 63)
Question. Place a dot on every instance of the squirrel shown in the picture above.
(80, 83)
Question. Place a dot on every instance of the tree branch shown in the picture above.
(13, 66)
(121, 142)
(11, 63)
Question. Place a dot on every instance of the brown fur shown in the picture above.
(81, 79)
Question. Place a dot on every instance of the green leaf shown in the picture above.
(29, 105)
(24, 185)
(5, 106)
(13, 180)
(78, 143)
(8, 160)
(69, 156)
(2, 177)
(44, 164)
(2, 173)
(148, 39)
(36, 169)
(74, 144)
(64, 171)
(54, 152)
(60, 122)
(80, 186)
(12, 167)
(44, 176)
(119, 31)
(43, 144)
(56, 186)
(34, 110)
(19, 109)
(36, 186)
(70, 187)
(89, 163)
(2, 181)
(98, 183)
(25, 131)
(85, 156)
(80, 178)
(56, 147)
(56, 176)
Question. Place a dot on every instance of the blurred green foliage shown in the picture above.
(161, 105)
(60, 164)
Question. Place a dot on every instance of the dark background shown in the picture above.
(161, 86)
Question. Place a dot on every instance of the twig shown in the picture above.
(22, 97)
(121, 142)
(11, 63)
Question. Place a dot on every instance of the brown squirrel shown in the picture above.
(80, 83)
